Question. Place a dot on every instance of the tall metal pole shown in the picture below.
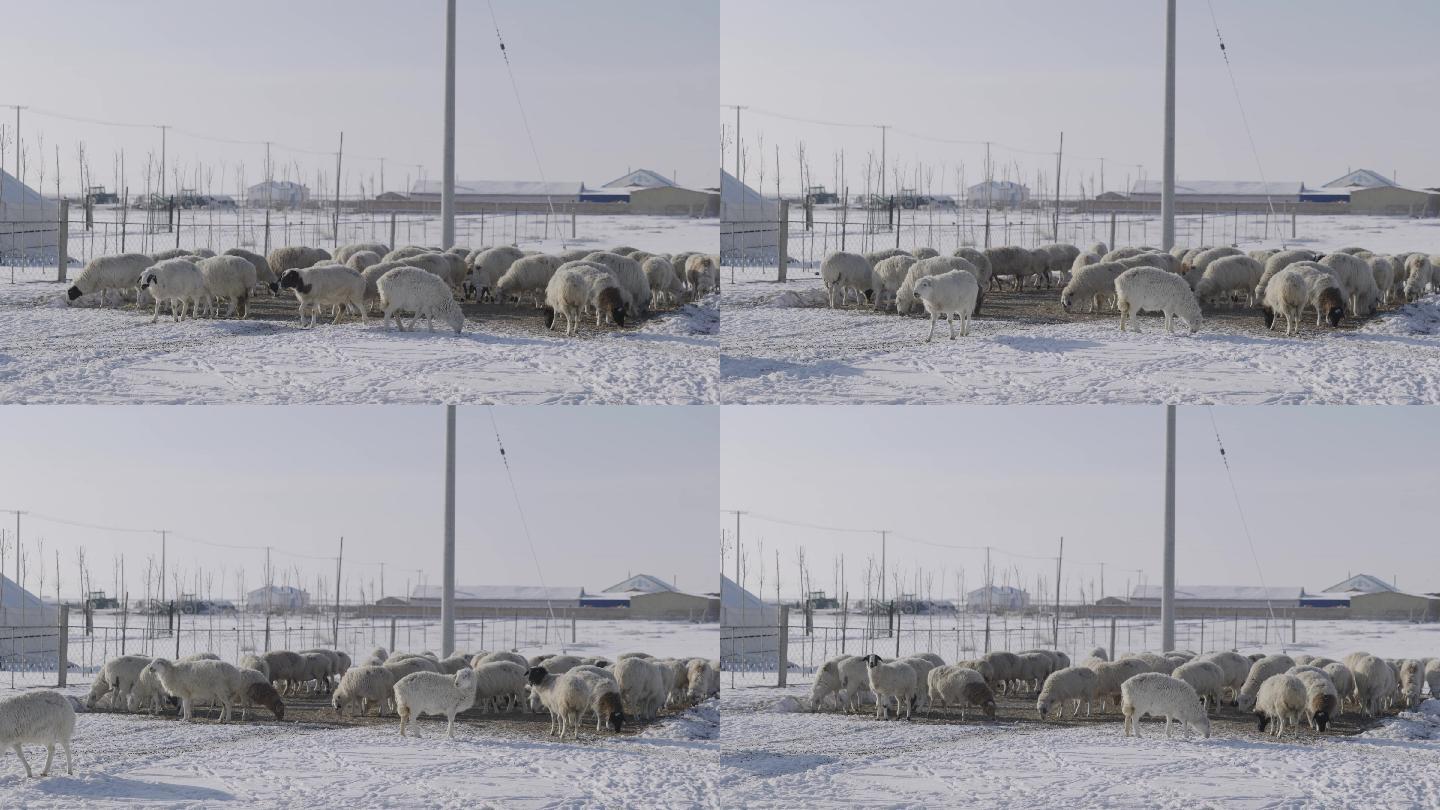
(163, 128)
(447, 189)
(883, 128)
(1059, 156)
(338, 560)
(1167, 191)
(447, 594)
(164, 537)
(339, 156)
(1167, 595)
(883, 540)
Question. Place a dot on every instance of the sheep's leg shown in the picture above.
(156, 317)
(69, 766)
(450, 726)
(1167, 726)
(933, 318)
(187, 708)
(21, 754)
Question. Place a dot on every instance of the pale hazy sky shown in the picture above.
(1327, 85)
(1327, 491)
(607, 491)
(607, 86)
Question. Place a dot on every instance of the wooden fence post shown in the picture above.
(783, 653)
(62, 249)
(1114, 656)
(392, 634)
(392, 231)
(267, 253)
(62, 656)
(784, 249)
(1111, 245)
(987, 247)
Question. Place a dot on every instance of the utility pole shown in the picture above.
(338, 559)
(18, 179)
(447, 595)
(164, 537)
(163, 128)
(883, 539)
(989, 180)
(1058, 562)
(339, 156)
(18, 513)
(883, 128)
(1058, 157)
(447, 188)
(1167, 191)
(1167, 595)
(268, 588)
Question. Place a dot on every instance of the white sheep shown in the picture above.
(978, 259)
(1193, 266)
(1098, 248)
(406, 251)
(1035, 667)
(488, 265)
(264, 276)
(854, 682)
(345, 253)
(38, 718)
(499, 685)
(1323, 292)
(1159, 261)
(1121, 253)
(1229, 274)
(447, 267)
(887, 276)
(560, 664)
(293, 258)
(229, 278)
(1322, 699)
(176, 281)
(1286, 294)
(1419, 272)
(326, 284)
(960, 687)
(1412, 682)
(1280, 701)
(1111, 675)
(578, 286)
(363, 687)
(1357, 282)
(949, 294)
(1161, 696)
(1071, 683)
(501, 655)
(1277, 262)
(1060, 258)
(361, 259)
(569, 695)
(1383, 271)
(1090, 286)
(106, 274)
(1205, 677)
(1147, 288)
(704, 679)
(1236, 668)
(204, 681)
(844, 273)
(666, 288)
(1018, 263)
(1004, 669)
(642, 686)
(905, 299)
(422, 693)
(702, 274)
(1260, 671)
(892, 680)
(631, 278)
(403, 665)
(117, 678)
(255, 690)
(411, 289)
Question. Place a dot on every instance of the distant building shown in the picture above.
(1392, 605)
(277, 194)
(749, 222)
(649, 597)
(278, 597)
(649, 192)
(1222, 596)
(1394, 200)
(997, 194)
(1360, 178)
(31, 626)
(502, 596)
(29, 223)
(749, 628)
(500, 192)
(997, 597)
(641, 178)
(1222, 191)
(1360, 583)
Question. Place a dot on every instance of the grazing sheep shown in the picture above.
(568, 696)
(447, 267)
(1323, 292)
(282, 259)
(1419, 272)
(1017, 263)
(403, 665)
(1111, 675)
(501, 655)
(263, 274)
(499, 685)
(922, 667)
(105, 274)
(1286, 295)
(422, 693)
(702, 274)
(1412, 682)
(229, 278)
(410, 289)
(1262, 255)
(377, 657)
(1004, 668)
(905, 296)
(949, 294)
(205, 681)
(1260, 671)
(38, 718)
(1193, 267)
(345, 253)
(365, 686)
(1035, 667)
(283, 667)
(888, 275)
(1059, 258)
(1357, 282)
(703, 678)
(892, 680)
(1090, 286)
(1155, 663)
(1236, 668)
(854, 682)
(666, 288)
(326, 284)
(878, 256)
(117, 678)
(1205, 677)
(961, 687)
(580, 285)
(1280, 701)
(844, 273)
(1098, 248)
(177, 281)
(255, 690)
(1121, 253)
(642, 686)
(1161, 695)
(488, 266)
(1322, 699)
(1227, 275)
(1071, 683)
(361, 259)
(560, 664)
(407, 251)
(1146, 288)
(1383, 271)
(630, 277)
(1278, 262)
(1159, 261)
(925, 253)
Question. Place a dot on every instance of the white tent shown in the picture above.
(29, 223)
(749, 628)
(749, 223)
(28, 625)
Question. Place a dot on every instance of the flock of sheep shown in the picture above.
(635, 686)
(422, 281)
(1282, 691)
(1283, 283)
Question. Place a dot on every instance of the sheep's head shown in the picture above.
(455, 318)
(535, 675)
(1334, 306)
(988, 707)
(274, 287)
(1246, 703)
(924, 286)
(1067, 299)
(611, 301)
(337, 703)
(147, 278)
(72, 293)
(293, 280)
(872, 660)
(1322, 719)
(1042, 706)
(465, 677)
(549, 317)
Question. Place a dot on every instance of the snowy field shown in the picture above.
(775, 756)
(781, 344)
(495, 760)
(51, 353)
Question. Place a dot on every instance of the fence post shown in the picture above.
(1293, 220)
(177, 229)
(177, 636)
(1111, 244)
(267, 632)
(987, 632)
(62, 250)
(392, 634)
(573, 635)
(898, 617)
(783, 656)
(392, 230)
(1293, 628)
(784, 259)
(267, 242)
(63, 656)
(1113, 655)
(987, 242)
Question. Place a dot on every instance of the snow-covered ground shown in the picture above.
(773, 756)
(781, 345)
(51, 353)
(131, 760)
